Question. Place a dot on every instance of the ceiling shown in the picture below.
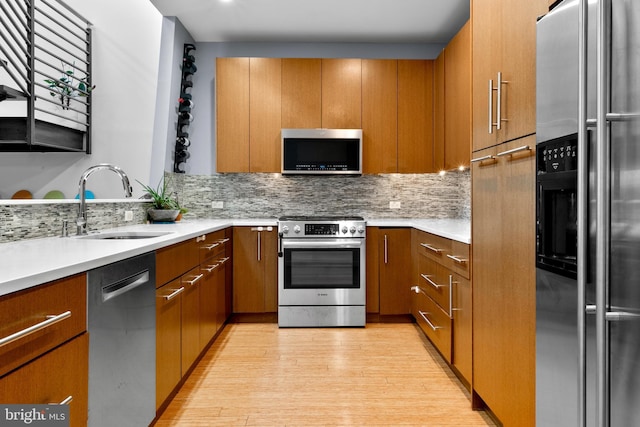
(319, 21)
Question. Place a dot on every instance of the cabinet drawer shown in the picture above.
(168, 339)
(66, 299)
(434, 247)
(435, 323)
(435, 281)
(53, 378)
(175, 260)
(212, 245)
(460, 257)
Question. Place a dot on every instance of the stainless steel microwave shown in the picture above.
(322, 151)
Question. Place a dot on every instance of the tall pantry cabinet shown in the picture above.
(503, 207)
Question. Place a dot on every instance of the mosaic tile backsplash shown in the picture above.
(253, 195)
(273, 195)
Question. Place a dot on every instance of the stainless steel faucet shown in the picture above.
(81, 222)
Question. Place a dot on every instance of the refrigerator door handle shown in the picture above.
(618, 316)
(622, 117)
(602, 210)
(582, 209)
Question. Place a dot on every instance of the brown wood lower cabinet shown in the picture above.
(388, 271)
(168, 339)
(192, 282)
(441, 298)
(50, 364)
(191, 308)
(255, 270)
(57, 376)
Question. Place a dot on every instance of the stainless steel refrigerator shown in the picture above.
(588, 215)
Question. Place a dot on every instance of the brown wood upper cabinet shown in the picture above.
(415, 116)
(248, 114)
(438, 111)
(452, 115)
(457, 106)
(232, 114)
(391, 100)
(503, 46)
(379, 115)
(341, 93)
(301, 93)
(265, 99)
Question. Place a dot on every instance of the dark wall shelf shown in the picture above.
(48, 137)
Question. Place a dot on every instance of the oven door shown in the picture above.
(322, 272)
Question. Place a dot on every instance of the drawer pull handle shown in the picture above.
(482, 159)
(194, 280)
(417, 289)
(173, 294)
(66, 401)
(457, 259)
(223, 241)
(431, 248)
(211, 246)
(514, 150)
(51, 320)
(426, 319)
(431, 282)
(209, 268)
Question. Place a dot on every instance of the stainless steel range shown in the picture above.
(321, 272)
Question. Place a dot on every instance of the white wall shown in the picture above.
(126, 46)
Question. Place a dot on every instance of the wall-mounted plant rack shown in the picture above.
(45, 75)
(185, 104)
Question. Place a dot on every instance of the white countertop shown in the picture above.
(28, 263)
(454, 229)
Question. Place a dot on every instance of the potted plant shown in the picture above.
(181, 208)
(69, 86)
(164, 206)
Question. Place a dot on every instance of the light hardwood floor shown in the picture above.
(381, 375)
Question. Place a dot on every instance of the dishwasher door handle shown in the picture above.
(120, 287)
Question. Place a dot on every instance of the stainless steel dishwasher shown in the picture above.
(122, 342)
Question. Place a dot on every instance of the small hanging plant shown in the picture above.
(69, 86)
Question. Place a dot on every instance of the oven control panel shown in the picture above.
(319, 229)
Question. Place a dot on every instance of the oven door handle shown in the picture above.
(280, 253)
(322, 244)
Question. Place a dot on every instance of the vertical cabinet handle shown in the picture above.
(498, 89)
(499, 118)
(451, 282)
(386, 250)
(259, 245)
(491, 106)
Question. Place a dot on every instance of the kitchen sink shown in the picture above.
(125, 235)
